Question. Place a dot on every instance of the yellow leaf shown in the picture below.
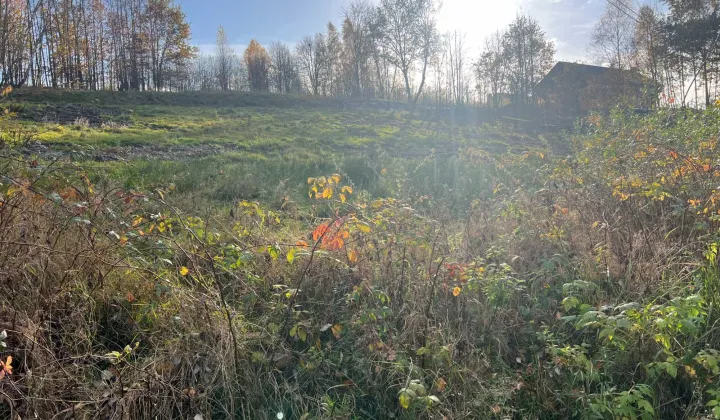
(291, 255)
(343, 198)
(123, 240)
(352, 256)
(336, 178)
(336, 330)
(184, 271)
(327, 193)
(456, 291)
(364, 227)
(404, 400)
(137, 221)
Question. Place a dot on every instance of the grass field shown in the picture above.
(211, 255)
(254, 146)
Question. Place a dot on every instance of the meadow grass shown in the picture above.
(240, 256)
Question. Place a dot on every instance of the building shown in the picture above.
(572, 90)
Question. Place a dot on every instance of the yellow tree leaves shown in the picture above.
(258, 63)
(326, 188)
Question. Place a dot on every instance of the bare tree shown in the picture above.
(612, 41)
(491, 69)
(333, 66)
(457, 72)
(283, 70)
(311, 53)
(528, 56)
(410, 37)
(357, 45)
(223, 59)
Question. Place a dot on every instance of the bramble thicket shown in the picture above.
(538, 281)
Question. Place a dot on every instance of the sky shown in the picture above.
(568, 23)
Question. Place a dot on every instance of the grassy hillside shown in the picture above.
(239, 256)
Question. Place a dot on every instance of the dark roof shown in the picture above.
(585, 70)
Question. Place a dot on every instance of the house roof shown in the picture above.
(585, 71)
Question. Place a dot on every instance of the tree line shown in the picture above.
(94, 44)
(392, 50)
(679, 50)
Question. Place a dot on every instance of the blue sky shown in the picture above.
(567, 22)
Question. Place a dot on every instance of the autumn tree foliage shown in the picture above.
(258, 62)
(94, 44)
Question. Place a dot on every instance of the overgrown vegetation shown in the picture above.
(343, 282)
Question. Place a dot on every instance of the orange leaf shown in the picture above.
(320, 231)
(456, 291)
(69, 192)
(440, 384)
(336, 243)
(6, 367)
(352, 256)
(130, 297)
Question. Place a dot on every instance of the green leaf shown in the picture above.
(274, 252)
(645, 405)
(570, 302)
(302, 334)
(671, 370)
